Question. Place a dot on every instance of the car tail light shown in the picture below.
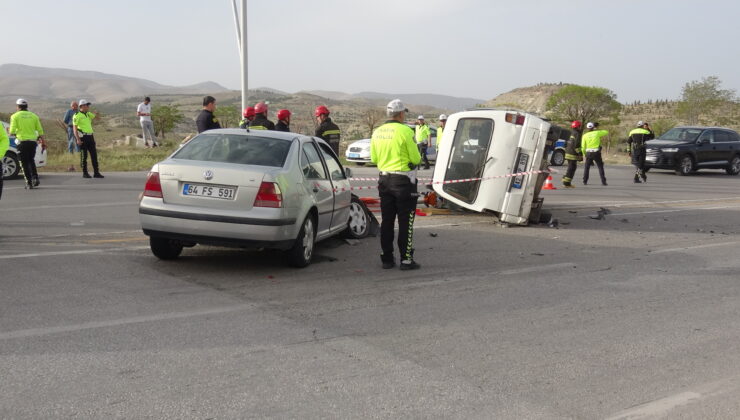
(517, 119)
(153, 187)
(269, 195)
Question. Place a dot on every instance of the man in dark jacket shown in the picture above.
(636, 149)
(573, 153)
(327, 130)
(206, 120)
(260, 121)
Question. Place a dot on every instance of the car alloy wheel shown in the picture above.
(11, 167)
(686, 166)
(302, 251)
(558, 158)
(358, 225)
(734, 167)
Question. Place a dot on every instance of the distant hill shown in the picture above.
(450, 103)
(529, 99)
(43, 82)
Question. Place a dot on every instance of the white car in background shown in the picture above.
(359, 151)
(11, 161)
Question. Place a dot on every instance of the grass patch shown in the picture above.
(112, 158)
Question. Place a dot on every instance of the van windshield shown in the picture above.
(236, 148)
(468, 157)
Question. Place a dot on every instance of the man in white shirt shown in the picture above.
(144, 112)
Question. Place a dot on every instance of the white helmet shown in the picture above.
(420, 117)
(640, 123)
(21, 101)
(442, 117)
(590, 125)
(395, 106)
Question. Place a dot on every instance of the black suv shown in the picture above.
(688, 149)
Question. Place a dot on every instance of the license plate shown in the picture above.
(354, 155)
(651, 158)
(520, 167)
(209, 191)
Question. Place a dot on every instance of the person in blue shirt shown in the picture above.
(71, 139)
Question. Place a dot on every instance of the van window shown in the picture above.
(468, 157)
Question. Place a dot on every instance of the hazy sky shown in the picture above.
(640, 49)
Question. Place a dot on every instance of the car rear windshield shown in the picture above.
(236, 148)
(681, 134)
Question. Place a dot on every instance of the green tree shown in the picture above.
(700, 98)
(228, 116)
(165, 117)
(584, 103)
(662, 125)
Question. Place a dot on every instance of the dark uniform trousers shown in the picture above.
(27, 151)
(423, 152)
(88, 146)
(571, 171)
(638, 159)
(596, 158)
(398, 198)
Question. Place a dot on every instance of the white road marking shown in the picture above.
(686, 248)
(74, 252)
(63, 206)
(36, 332)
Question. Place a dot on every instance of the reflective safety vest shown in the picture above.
(591, 141)
(4, 142)
(422, 134)
(439, 135)
(26, 126)
(638, 137)
(392, 147)
(83, 121)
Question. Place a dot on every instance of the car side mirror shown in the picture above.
(348, 172)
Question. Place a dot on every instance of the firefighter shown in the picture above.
(28, 134)
(327, 130)
(591, 148)
(206, 120)
(248, 115)
(82, 126)
(421, 136)
(260, 121)
(573, 153)
(636, 149)
(283, 123)
(393, 149)
(440, 129)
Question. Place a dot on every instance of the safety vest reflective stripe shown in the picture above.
(257, 127)
(330, 132)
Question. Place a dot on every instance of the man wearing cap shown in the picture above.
(82, 122)
(422, 139)
(28, 131)
(392, 148)
(440, 129)
(636, 149)
(327, 130)
(71, 140)
(591, 147)
(144, 112)
(260, 121)
(206, 120)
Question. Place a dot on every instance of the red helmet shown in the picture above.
(320, 110)
(260, 108)
(283, 114)
(575, 124)
(248, 112)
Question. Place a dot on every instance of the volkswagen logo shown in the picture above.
(208, 175)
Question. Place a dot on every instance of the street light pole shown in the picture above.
(241, 39)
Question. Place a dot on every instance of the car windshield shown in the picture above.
(681, 134)
(236, 148)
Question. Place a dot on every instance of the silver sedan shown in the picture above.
(260, 189)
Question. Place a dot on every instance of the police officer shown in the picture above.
(283, 123)
(440, 129)
(4, 145)
(636, 149)
(591, 147)
(28, 131)
(393, 149)
(206, 120)
(573, 153)
(248, 115)
(422, 139)
(327, 130)
(82, 124)
(260, 121)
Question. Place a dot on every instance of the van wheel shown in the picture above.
(685, 166)
(558, 158)
(734, 167)
(165, 249)
(358, 224)
(302, 251)
(11, 165)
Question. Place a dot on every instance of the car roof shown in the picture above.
(698, 127)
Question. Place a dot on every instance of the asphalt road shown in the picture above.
(636, 315)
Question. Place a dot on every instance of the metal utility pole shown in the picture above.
(241, 42)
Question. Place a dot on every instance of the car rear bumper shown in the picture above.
(220, 241)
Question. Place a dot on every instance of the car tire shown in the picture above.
(734, 167)
(11, 165)
(165, 249)
(685, 165)
(360, 163)
(358, 225)
(558, 158)
(301, 253)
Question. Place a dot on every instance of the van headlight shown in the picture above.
(670, 149)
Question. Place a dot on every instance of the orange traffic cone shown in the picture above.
(548, 184)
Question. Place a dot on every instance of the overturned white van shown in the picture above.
(489, 146)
